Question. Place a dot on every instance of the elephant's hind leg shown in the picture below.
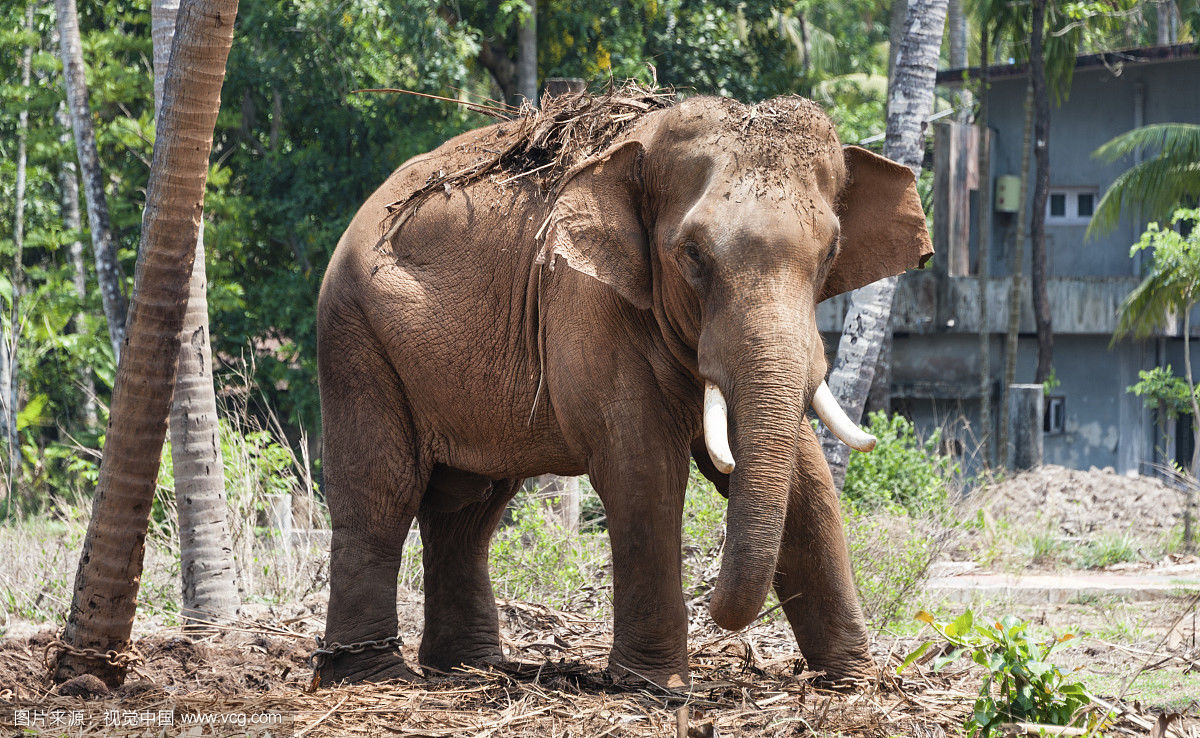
(461, 627)
(374, 478)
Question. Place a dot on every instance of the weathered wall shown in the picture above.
(935, 369)
(1102, 104)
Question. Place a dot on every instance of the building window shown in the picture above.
(1054, 414)
(1070, 206)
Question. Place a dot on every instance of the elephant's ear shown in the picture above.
(595, 223)
(883, 225)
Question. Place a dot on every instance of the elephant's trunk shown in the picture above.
(767, 398)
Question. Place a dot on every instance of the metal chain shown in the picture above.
(322, 653)
(119, 660)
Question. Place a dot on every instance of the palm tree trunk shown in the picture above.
(208, 576)
(983, 267)
(956, 29)
(1041, 190)
(68, 182)
(9, 367)
(1165, 15)
(527, 70)
(105, 594)
(108, 269)
(1016, 267)
(910, 100)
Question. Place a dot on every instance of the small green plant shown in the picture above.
(902, 472)
(1052, 383)
(1045, 546)
(1020, 683)
(1106, 550)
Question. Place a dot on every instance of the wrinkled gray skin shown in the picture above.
(468, 354)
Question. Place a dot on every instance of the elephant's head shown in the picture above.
(731, 223)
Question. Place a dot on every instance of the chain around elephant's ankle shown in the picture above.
(323, 653)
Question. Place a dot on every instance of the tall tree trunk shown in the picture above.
(68, 182)
(209, 579)
(9, 367)
(527, 70)
(108, 269)
(1165, 15)
(910, 100)
(956, 23)
(110, 564)
(1190, 492)
(895, 34)
(1041, 191)
(1016, 270)
(983, 269)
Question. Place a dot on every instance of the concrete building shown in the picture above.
(935, 360)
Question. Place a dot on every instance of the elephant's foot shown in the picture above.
(628, 670)
(352, 668)
(846, 670)
(445, 656)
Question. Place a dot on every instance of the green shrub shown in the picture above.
(890, 554)
(536, 558)
(902, 473)
(1020, 683)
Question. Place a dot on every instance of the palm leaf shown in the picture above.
(1178, 140)
(1157, 186)
(1147, 308)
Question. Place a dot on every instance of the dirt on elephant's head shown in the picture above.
(542, 145)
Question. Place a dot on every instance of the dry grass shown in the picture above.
(748, 683)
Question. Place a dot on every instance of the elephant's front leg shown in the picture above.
(643, 500)
(814, 579)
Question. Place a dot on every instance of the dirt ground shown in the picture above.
(252, 678)
(1078, 503)
(749, 683)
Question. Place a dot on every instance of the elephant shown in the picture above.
(655, 302)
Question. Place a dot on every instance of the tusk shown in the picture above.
(836, 420)
(716, 428)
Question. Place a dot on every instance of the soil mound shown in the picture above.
(1079, 503)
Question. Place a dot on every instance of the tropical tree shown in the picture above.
(10, 330)
(108, 269)
(910, 101)
(206, 568)
(1048, 35)
(1170, 288)
(1157, 185)
(106, 584)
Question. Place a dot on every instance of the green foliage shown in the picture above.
(902, 473)
(1020, 683)
(536, 559)
(1106, 550)
(1158, 184)
(1045, 546)
(1159, 388)
(890, 554)
(1052, 382)
(895, 504)
(1172, 281)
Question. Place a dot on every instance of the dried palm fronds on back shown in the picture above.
(543, 144)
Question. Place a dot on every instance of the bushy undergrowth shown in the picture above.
(903, 473)
(895, 505)
(892, 524)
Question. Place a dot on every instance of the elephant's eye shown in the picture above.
(692, 251)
